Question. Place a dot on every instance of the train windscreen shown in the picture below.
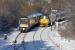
(44, 17)
(23, 21)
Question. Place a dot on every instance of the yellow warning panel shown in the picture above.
(46, 21)
(23, 18)
(23, 25)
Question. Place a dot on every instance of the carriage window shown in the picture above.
(23, 20)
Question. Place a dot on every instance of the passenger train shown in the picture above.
(26, 22)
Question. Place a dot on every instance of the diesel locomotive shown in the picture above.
(44, 21)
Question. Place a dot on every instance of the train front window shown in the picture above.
(23, 20)
(44, 17)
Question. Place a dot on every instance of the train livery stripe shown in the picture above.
(23, 25)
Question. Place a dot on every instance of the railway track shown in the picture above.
(43, 29)
(22, 42)
(14, 42)
(53, 41)
(50, 39)
(34, 44)
(34, 40)
(42, 33)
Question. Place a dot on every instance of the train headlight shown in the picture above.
(44, 17)
(23, 28)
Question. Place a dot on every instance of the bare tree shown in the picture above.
(69, 27)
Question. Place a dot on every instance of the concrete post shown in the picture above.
(56, 25)
(51, 19)
(5, 36)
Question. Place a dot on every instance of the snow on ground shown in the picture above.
(6, 43)
(49, 41)
(2, 42)
(37, 40)
(31, 34)
(63, 43)
(13, 36)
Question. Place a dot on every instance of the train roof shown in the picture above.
(34, 15)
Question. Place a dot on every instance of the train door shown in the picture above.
(32, 21)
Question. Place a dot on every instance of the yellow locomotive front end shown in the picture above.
(44, 21)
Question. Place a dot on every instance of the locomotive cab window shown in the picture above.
(23, 20)
(44, 17)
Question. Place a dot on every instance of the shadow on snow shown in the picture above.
(33, 45)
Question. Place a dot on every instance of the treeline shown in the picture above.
(11, 10)
(69, 31)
